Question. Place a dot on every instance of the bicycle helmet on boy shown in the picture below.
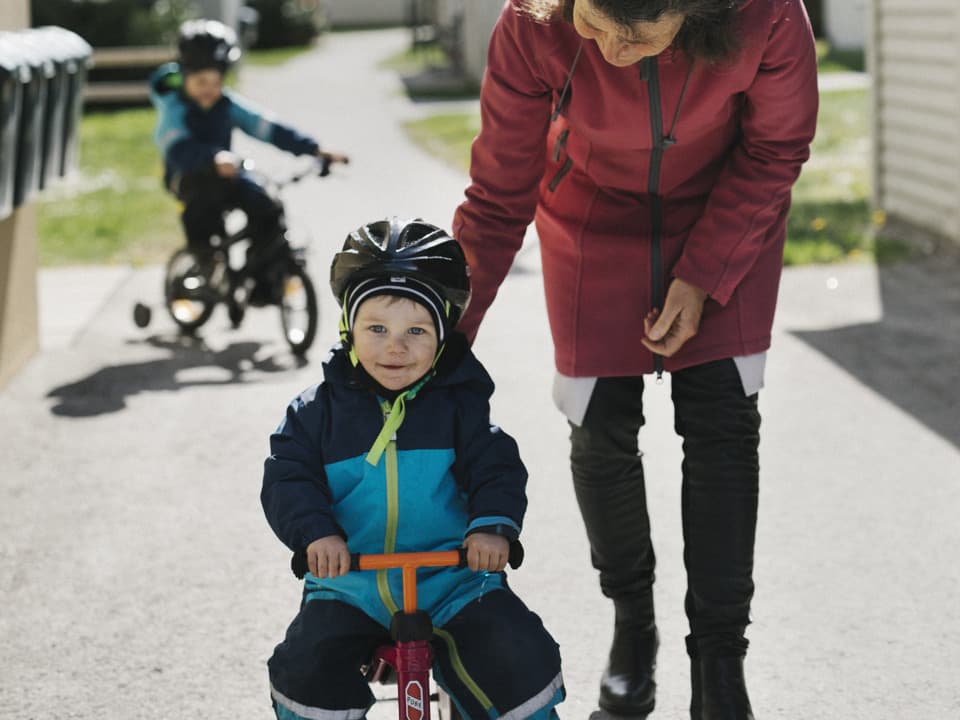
(410, 258)
(207, 44)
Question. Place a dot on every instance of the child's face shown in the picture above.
(395, 340)
(204, 87)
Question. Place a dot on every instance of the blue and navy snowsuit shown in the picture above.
(447, 472)
(189, 137)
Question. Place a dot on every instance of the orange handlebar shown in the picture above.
(408, 563)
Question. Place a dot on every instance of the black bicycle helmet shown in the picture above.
(207, 44)
(402, 255)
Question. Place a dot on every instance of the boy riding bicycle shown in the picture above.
(196, 116)
(394, 452)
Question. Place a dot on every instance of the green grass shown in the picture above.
(446, 136)
(831, 219)
(274, 56)
(834, 60)
(115, 210)
(416, 59)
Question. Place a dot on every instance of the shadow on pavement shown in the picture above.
(190, 363)
(912, 355)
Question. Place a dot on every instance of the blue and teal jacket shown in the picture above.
(189, 136)
(447, 472)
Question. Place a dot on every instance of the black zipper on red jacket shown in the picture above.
(649, 73)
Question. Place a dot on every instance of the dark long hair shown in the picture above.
(709, 30)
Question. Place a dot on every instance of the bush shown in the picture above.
(108, 23)
(285, 23)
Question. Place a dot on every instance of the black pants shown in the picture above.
(205, 198)
(493, 657)
(720, 430)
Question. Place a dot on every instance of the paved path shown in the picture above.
(138, 578)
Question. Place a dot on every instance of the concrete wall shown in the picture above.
(845, 23)
(367, 12)
(223, 10)
(914, 58)
(479, 17)
(19, 324)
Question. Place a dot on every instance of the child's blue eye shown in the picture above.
(377, 329)
(416, 331)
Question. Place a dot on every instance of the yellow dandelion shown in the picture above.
(879, 218)
(819, 224)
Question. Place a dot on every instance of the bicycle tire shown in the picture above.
(141, 315)
(188, 307)
(299, 315)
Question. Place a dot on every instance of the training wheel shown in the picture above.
(141, 315)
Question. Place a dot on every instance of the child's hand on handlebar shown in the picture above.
(328, 557)
(332, 157)
(486, 551)
(227, 164)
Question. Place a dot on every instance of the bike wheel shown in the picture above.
(141, 315)
(188, 292)
(298, 309)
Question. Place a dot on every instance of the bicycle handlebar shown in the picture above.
(373, 561)
(319, 167)
(441, 558)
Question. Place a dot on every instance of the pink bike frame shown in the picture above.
(410, 659)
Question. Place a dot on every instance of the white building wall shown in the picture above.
(224, 10)
(845, 23)
(915, 62)
(479, 17)
(367, 12)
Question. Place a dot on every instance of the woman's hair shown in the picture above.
(709, 30)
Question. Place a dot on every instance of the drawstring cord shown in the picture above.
(566, 85)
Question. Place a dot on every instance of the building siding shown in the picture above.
(915, 62)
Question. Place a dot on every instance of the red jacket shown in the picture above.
(743, 132)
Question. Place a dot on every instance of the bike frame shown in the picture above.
(239, 276)
(410, 659)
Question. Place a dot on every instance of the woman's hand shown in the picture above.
(486, 551)
(667, 331)
(328, 557)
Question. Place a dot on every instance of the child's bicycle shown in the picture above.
(409, 659)
(194, 285)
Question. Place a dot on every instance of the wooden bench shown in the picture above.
(146, 58)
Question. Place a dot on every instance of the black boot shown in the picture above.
(696, 690)
(628, 687)
(722, 689)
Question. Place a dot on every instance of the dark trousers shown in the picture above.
(492, 657)
(720, 430)
(206, 196)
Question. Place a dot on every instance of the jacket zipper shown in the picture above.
(561, 143)
(650, 73)
(558, 148)
(393, 511)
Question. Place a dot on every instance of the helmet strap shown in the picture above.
(346, 337)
